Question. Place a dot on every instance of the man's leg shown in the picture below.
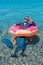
(15, 53)
(19, 42)
(23, 49)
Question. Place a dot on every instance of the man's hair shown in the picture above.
(26, 17)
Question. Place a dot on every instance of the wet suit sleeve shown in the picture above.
(33, 23)
(18, 24)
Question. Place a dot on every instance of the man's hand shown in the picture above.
(14, 25)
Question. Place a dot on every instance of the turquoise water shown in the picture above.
(14, 11)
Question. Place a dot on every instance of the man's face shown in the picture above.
(26, 19)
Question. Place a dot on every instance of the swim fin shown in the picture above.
(7, 42)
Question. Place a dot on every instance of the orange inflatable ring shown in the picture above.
(17, 31)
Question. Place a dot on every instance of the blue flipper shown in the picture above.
(7, 42)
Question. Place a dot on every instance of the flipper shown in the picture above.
(7, 42)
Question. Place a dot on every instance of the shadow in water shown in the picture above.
(30, 40)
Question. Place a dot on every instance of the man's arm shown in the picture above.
(32, 22)
(17, 24)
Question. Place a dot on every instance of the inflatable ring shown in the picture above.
(17, 31)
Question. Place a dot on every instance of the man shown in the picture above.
(21, 44)
(27, 23)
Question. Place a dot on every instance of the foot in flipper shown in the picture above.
(7, 42)
(23, 55)
(14, 55)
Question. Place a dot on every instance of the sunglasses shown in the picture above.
(26, 18)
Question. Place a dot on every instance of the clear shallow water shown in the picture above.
(14, 11)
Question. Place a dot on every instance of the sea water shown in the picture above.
(14, 11)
